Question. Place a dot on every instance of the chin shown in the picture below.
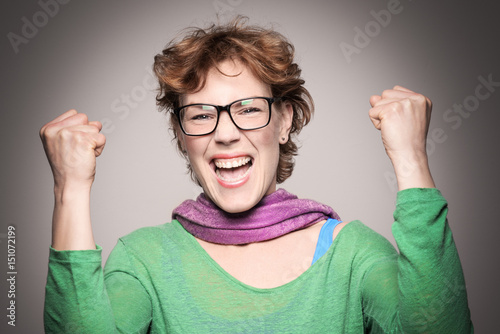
(235, 200)
(232, 207)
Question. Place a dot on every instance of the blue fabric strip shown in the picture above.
(325, 238)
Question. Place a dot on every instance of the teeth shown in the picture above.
(233, 180)
(232, 164)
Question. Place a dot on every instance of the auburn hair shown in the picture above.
(183, 65)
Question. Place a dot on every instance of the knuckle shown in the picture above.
(65, 133)
(406, 102)
(420, 98)
(103, 138)
(47, 132)
(379, 102)
(73, 138)
(41, 133)
(385, 93)
(397, 106)
(82, 118)
(94, 128)
(80, 138)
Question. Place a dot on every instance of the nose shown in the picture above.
(226, 131)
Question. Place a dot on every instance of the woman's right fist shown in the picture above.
(72, 144)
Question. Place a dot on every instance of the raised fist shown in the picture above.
(403, 118)
(72, 144)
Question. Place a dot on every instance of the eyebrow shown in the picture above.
(268, 92)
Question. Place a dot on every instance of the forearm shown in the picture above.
(432, 298)
(75, 298)
(80, 298)
(71, 224)
(412, 170)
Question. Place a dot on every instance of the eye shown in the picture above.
(202, 117)
(199, 113)
(250, 110)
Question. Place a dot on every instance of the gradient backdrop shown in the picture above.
(96, 56)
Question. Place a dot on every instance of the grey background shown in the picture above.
(90, 55)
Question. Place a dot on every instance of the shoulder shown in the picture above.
(338, 228)
(149, 246)
(358, 249)
(358, 236)
(150, 236)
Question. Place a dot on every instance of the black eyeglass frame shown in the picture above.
(270, 101)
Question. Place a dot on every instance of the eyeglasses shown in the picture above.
(200, 119)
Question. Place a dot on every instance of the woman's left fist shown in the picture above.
(403, 118)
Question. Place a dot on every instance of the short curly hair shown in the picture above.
(183, 65)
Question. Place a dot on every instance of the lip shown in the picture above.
(228, 156)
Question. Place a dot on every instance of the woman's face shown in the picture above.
(253, 153)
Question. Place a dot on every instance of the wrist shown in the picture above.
(71, 225)
(66, 191)
(412, 170)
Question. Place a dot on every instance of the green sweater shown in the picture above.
(160, 280)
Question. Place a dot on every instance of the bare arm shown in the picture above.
(72, 144)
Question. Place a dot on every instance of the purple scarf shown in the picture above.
(275, 215)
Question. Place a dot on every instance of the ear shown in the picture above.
(286, 122)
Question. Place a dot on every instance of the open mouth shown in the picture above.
(233, 170)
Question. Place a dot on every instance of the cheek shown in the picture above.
(195, 148)
(269, 146)
(270, 139)
(266, 140)
(272, 133)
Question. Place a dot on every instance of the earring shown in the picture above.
(283, 140)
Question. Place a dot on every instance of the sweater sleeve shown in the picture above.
(78, 299)
(423, 291)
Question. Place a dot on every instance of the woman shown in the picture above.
(246, 257)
